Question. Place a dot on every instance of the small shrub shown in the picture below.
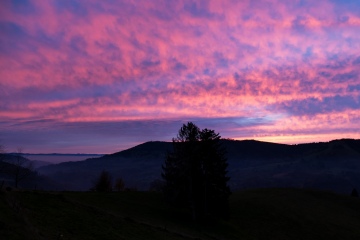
(157, 185)
(104, 182)
(119, 185)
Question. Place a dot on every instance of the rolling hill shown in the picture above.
(331, 166)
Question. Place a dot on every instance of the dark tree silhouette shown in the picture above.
(104, 182)
(23, 168)
(214, 170)
(119, 184)
(195, 173)
(157, 185)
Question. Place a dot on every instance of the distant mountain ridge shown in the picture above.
(10, 165)
(59, 154)
(46, 159)
(333, 165)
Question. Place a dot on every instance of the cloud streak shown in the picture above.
(279, 68)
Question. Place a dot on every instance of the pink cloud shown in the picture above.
(99, 61)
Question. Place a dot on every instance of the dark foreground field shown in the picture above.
(255, 214)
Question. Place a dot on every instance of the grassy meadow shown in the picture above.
(255, 214)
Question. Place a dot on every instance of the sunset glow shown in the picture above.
(101, 76)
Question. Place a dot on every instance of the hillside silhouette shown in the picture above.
(30, 179)
(333, 165)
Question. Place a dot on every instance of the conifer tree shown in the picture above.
(195, 173)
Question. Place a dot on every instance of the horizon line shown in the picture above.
(230, 139)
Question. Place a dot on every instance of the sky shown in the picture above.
(88, 76)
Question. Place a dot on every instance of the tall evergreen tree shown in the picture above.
(195, 173)
(214, 175)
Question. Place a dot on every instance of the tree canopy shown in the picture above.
(195, 173)
(104, 182)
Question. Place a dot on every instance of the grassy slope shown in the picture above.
(256, 214)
